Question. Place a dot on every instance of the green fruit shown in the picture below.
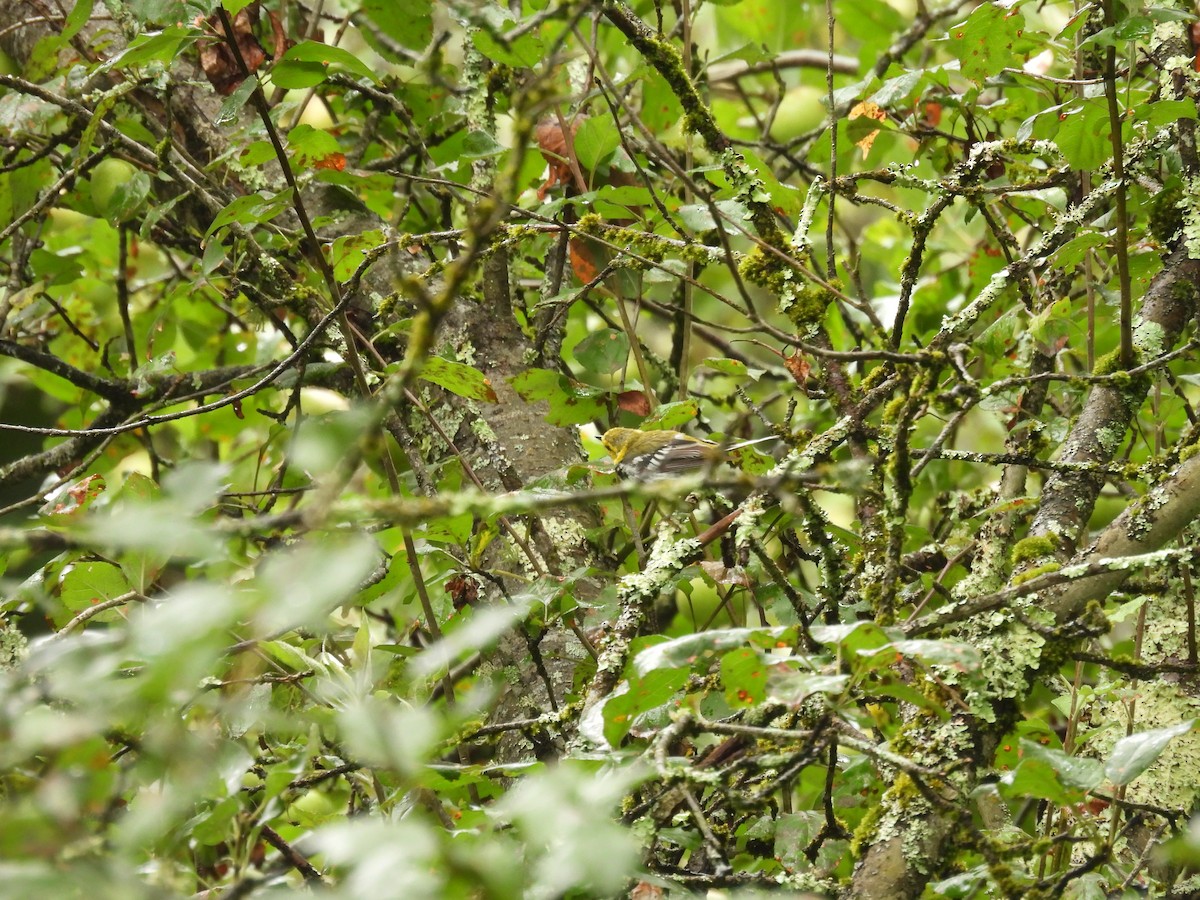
(315, 114)
(109, 175)
(312, 808)
(800, 111)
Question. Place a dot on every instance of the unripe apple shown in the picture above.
(316, 114)
(108, 175)
(800, 111)
(313, 807)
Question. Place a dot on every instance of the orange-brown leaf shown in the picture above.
(217, 58)
(798, 367)
(583, 259)
(635, 402)
(553, 143)
(869, 110)
(335, 161)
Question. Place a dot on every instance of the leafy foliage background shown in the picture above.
(312, 577)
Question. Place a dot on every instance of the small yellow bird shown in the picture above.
(660, 454)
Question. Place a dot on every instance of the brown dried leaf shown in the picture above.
(74, 497)
(463, 591)
(798, 367)
(217, 59)
(635, 402)
(553, 144)
(734, 576)
(335, 161)
(282, 42)
(644, 890)
(583, 260)
(869, 110)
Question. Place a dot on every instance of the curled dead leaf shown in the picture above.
(217, 58)
(335, 161)
(553, 143)
(583, 260)
(635, 402)
(867, 109)
(798, 367)
(728, 576)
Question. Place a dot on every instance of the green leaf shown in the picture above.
(408, 22)
(793, 833)
(770, 23)
(1072, 253)
(448, 529)
(744, 676)
(853, 638)
(310, 145)
(691, 649)
(1048, 774)
(620, 195)
(886, 685)
(289, 656)
(1137, 28)
(296, 76)
(965, 885)
(897, 89)
(1133, 755)
(157, 46)
(1105, 37)
(733, 367)
(362, 650)
(954, 654)
(1009, 750)
(1164, 112)
(604, 351)
(250, 209)
(1051, 320)
(232, 105)
(350, 250)
(697, 217)
(78, 17)
(998, 335)
(672, 416)
(661, 109)
(256, 153)
(571, 403)
(596, 138)
(523, 53)
(214, 826)
(642, 694)
(313, 52)
(1083, 136)
(792, 687)
(458, 379)
(480, 145)
(987, 41)
(87, 583)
